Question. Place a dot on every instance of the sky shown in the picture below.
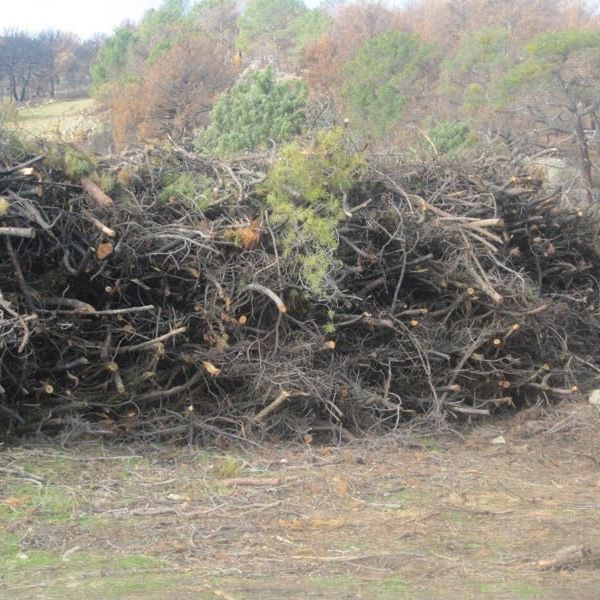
(83, 17)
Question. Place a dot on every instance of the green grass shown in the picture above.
(29, 572)
(518, 591)
(60, 118)
(70, 537)
(52, 504)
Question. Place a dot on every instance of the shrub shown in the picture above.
(386, 74)
(449, 136)
(304, 193)
(192, 189)
(260, 108)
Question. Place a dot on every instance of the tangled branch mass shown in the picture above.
(453, 292)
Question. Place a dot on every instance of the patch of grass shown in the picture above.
(59, 118)
(390, 587)
(405, 498)
(16, 559)
(329, 583)
(48, 503)
(229, 466)
(527, 591)
(429, 443)
(456, 516)
(91, 575)
(58, 109)
(519, 591)
(143, 584)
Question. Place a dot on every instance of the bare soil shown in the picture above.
(508, 509)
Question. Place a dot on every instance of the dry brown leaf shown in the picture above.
(340, 487)
(110, 426)
(210, 368)
(16, 502)
(103, 250)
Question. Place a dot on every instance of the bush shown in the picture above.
(304, 193)
(193, 190)
(386, 74)
(73, 163)
(449, 136)
(259, 109)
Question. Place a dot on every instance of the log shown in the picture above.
(104, 200)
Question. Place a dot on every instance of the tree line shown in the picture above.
(36, 66)
(440, 73)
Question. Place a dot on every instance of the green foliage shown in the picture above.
(307, 28)
(119, 59)
(472, 72)
(9, 113)
(560, 63)
(229, 466)
(449, 136)
(258, 109)
(480, 52)
(107, 183)
(159, 50)
(562, 44)
(12, 147)
(304, 193)
(71, 162)
(192, 189)
(383, 75)
(268, 19)
(112, 58)
(76, 164)
(475, 97)
(157, 20)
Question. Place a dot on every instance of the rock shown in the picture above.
(594, 399)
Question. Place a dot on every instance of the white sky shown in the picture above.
(83, 17)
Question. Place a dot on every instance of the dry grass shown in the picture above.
(398, 518)
(77, 120)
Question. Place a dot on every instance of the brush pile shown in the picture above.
(452, 293)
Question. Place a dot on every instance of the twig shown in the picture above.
(151, 343)
(279, 401)
(174, 391)
(281, 307)
(22, 232)
(251, 481)
(22, 165)
(25, 289)
(107, 231)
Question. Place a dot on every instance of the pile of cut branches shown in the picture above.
(452, 292)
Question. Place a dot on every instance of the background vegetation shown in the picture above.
(227, 77)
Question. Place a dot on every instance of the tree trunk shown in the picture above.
(13, 87)
(584, 157)
(25, 88)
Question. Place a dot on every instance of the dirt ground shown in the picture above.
(508, 509)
